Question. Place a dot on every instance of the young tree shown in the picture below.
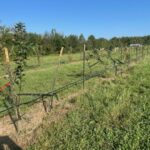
(20, 57)
(21, 49)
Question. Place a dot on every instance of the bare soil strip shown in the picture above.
(33, 119)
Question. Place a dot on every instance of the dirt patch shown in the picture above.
(33, 119)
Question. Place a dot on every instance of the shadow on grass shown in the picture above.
(7, 143)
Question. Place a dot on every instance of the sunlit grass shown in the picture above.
(113, 115)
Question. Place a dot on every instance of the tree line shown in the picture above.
(51, 42)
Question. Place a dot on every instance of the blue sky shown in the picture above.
(102, 18)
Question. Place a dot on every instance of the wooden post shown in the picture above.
(61, 52)
(6, 55)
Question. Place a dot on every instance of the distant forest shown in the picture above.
(51, 42)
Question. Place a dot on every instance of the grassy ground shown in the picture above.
(113, 115)
(40, 78)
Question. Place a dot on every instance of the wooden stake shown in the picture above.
(6, 55)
